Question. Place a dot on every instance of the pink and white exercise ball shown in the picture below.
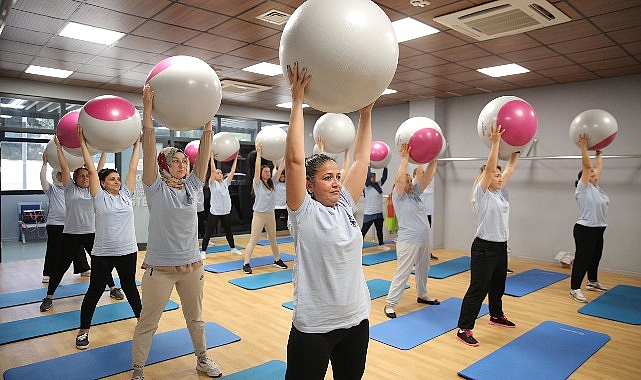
(424, 137)
(316, 150)
(349, 49)
(599, 125)
(225, 146)
(187, 92)
(110, 123)
(67, 130)
(515, 116)
(272, 138)
(191, 150)
(74, 162)
(337, 131)
(380, 155)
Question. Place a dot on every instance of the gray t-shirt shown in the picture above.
(265, 199)
(115, 232)
(413, 226)
(373, 200)
(492, 214)
(173, 225)
(220, 203)
(281, 194)
(593, 204)
(80, 216)
(57, 213)
(330, 291)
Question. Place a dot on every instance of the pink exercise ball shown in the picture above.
(419, 153)
(191, 150)
(187, 92)
(600, 126)
(110, 123)
(379, 156)
(515, 116)
(225, 146)
(67, 130)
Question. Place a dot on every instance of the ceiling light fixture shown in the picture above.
(264, 68)
(408, 29)
(289, 105)
(503, 70)
(48, 71)
(388, 91)
(90, 33)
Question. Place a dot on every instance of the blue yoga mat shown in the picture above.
(621, 303)
(281, 240)
(221, 248)
(36, 295)
(265, 280)
(377, 288)
(272, 370)
(381, 257)
(109, 360)
(531, 280)
(368, 244)
(238, 264)
(409, 330)
(449, 268)
(54, 323)
(549, 351)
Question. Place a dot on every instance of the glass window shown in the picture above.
(29, 114)
(243, 129)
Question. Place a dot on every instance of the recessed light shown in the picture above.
(265, 68)
(408, 29)
(503, 70)
(289, 105)
(388, 91)
(48, 71)
(90, 33)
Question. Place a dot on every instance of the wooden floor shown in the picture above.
(263, 324)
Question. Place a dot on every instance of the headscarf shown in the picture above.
(164, 159)
(54, 173)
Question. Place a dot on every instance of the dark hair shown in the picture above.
(103, 173)
(578, 178)
(483, 168)
(313, 163)
(77, 171)
(269, 184)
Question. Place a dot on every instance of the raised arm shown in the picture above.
(149, 161)
(94, 181)
(212, 165)
(346, 164)
(204, 152)
(598, 166)
(384, 176)
(64, 168)
(427, 175)
(401, 174)
(130, 180)
(492, 157)
(258, 162)
(296, 183)
(232, 171)
(509, 168)
(355, 177)
(280, 169)
(101, 161)
(586, 165)
(43, 173)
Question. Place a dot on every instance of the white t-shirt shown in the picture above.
(281, 195)
(80, 216)
(373, 200)
(57, 213)
(220, 201)
(593, 204)
(413, 226)
(173, 224)
(492, 214)
(265, 199)
(330, 291)
(115, 232)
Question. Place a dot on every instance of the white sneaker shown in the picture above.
(210, 367)
(578, 296)
(203, 255)
(235, 251)
(383, 247)
(593, 286)
(86, 273)
(45, 279)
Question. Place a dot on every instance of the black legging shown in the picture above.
(212, 222)
(588, 242)
(101, 267)
(378, 224)
(73, 246)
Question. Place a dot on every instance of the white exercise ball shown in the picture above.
(380, 155)
(74, 162)
(110, 123)
(187, 92)
(316, 150)
(272, 138)
(225, 146)
(349, 49)
(600, 126)
(337, 131)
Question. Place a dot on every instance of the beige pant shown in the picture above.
(260, 220)
(157, 286)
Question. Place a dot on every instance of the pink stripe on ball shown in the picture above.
(109, 108)
(603, 143)
(162, 65)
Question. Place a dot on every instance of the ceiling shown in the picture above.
(602, 40)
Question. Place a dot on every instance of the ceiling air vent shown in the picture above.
(233, 87)
(274, 17)
(503, 18)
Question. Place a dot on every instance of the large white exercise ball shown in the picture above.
(600, 126)
(337, 131)
(515, 116)
(187, 92)
(424, 137)
(74, 162)
(110, 123)
(316, 150)
(225, 146)
(380, 155)
(272, 138)
(349, 49)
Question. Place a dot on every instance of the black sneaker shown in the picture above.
(46, 304)
(509, 271)
(501, 321)
(432, 257)
(280, 264)
(82, 341)
(466, 337)
(247, 269)
(117, 294)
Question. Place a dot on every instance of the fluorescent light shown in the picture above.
(15, 104)
(388, 91)
(289, 105)
(265, 68)
(48, 71)
(503, 70)
(5, 116)
(408, 29)
(90, 33)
